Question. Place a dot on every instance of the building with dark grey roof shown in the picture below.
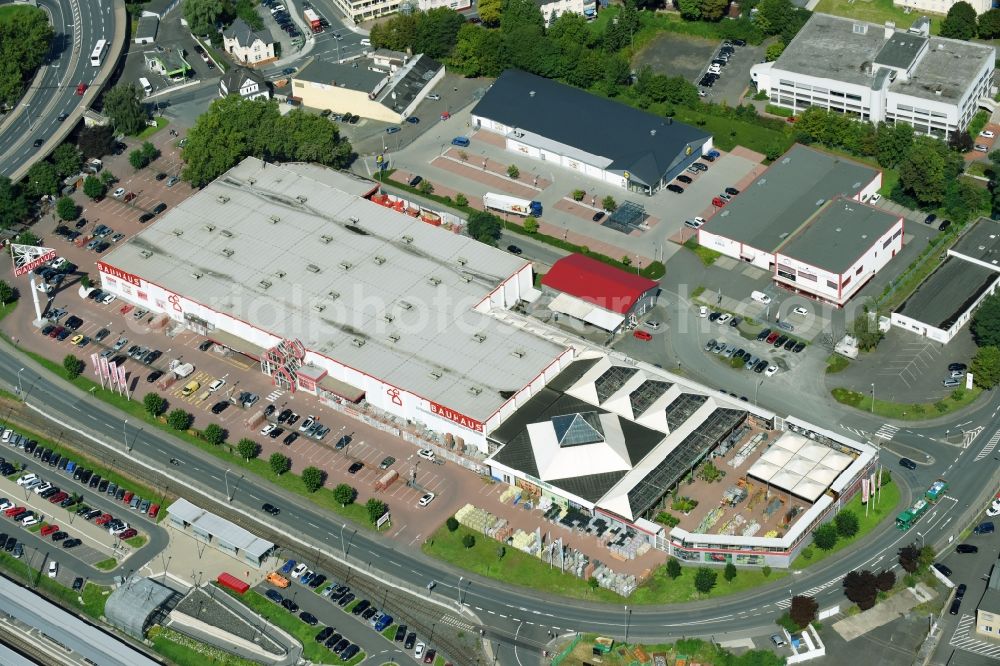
(803, 220)
(946, 300)
(878, 73)
(248, 46)
(145, 29)
(611, 440)
(385, 86)
(988, 610)
(598, 137)
(244, 82)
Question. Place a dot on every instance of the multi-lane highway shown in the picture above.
(77, 26)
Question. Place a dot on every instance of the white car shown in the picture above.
(5, 504)
(993, 511)
(434, 96)
(418, 651)
(42, 488)
(987, 134)
(801, 311)
(694, 224)
(268, 428)
(723, 318)
(426, 454)
(426, 499)
(53, 569)
(58, 262)
(108, 298)
(771, 369)
(299, 570)
(307, 423)
(29, 521)
(118, 193)
(216, 385)
(653, 324)
(760, 297)
(6, 435)
(26, 479)
(980, 148)
(875, 198)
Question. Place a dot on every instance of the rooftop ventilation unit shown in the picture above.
(228, 252)
(405, 305)
(280, 274)
(326, 239)
(394, 337)
(227, 233)
(407, 239)
(197, 276)
(358, 342)
(275, 219)
(146, 254)
(334, 295)
(475, 390)
(388, 317)
(479, 337)
(319, 307)
(264, 284)
(434, 281)
(379, 260)
(517, 353)
(312, 268)
(820, 202)
(301, 199)
(346, 265)
(251, 181)
(222, 198)
(178, 232)
(436, 374)
(354, 220)
(210, 228)
(462, 261)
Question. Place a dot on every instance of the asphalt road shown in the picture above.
(76, 33)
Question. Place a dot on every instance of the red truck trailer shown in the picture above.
(312, 18)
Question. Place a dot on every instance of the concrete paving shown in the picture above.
(884, 612)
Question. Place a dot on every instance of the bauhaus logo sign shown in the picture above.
(452, 415)
(119, 273)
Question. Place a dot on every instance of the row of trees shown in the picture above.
(963, 23)
(203, 15)
(25, 40)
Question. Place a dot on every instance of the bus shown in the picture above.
(100, 50)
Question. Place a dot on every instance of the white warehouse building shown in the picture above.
(334, 294)
(877, 73)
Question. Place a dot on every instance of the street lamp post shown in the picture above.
(125, 434)
(873, 397)
(460, 579)
(921, 540)
(755, 389)
(628, 617)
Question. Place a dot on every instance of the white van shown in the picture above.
(760, 297)
(366, 42)
(144, 84)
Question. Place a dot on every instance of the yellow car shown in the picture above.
(76, 339)
(190, 388)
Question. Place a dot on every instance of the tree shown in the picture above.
(865, 330)
(986, 367)
(313, 478)
(713, 10)
(859, 586)
(489, 12)
(892, 143)
(704, 580)
(42, 179)
(154, 404)
(344, 494)
(67, 209)
(25, 38)
(149, 151)
(609, 204)
(94, 188)
(960, 23)
(67, 159)
(774, 51)
(178, 419)
(108, 178)
(513, 171)
(73, 366)
(673, 568)
(13, 207)
(592, 583)
(27, 238)
(484, 227)
(137, 158)
(468, 541)
(846, 523)
(729, 573)
(7, 293)
(923, 172)
(123, 104)
(885, 580)
(425, 187)
(986, 322)
(516, 14)
(989, 24)
(96, 141)
(803, 611)
(825, 536)
(451, 523)
(690, 9)
(248, 449)
(214, 434)
(531, 225)
(202, 15)
(461, 200)
(376, 509)
(963, 200)
(578, 195)
(279, 463)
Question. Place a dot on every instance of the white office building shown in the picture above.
(941, 6)
(877, 73)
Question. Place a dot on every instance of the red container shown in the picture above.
(233, 583)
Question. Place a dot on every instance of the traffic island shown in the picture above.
(920, 411)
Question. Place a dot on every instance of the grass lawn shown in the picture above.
(707, 255)
(93, 596)
(836, 363)
(107, 565)
(906, 411)
(887, 507)
(8, 12)
(876, 11)
(730, 132)
(138, 541)
(390, 631)
(976, 168)
(289, 622)
(522, 569)
(153, 129)
(184, 651)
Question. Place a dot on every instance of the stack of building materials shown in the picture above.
(747, 450)
(480, 520)
(510, 496)
(526, 542)
(751, 529)
(732, 525)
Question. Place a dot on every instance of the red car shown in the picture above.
(718, 202)
(445, 116)
(127, 534)
(153, 510)
(127, 497)
(642, 335)
(59, 497)
(48, 529)
(13, 511)
(103, 520)
(56, 331)
(771, 338)
(81, 88)
(128, 197)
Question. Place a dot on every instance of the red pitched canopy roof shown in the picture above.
(598, 283)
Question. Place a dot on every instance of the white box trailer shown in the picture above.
(509, 204)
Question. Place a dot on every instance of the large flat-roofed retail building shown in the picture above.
(877, 73)
(804, 221)
(597, 137)
(612, 442)
(947, 299)
(336, 295)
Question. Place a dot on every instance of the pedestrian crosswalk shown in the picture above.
(965, 638)
(990, 445)
(455, 622)
(887, 431)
